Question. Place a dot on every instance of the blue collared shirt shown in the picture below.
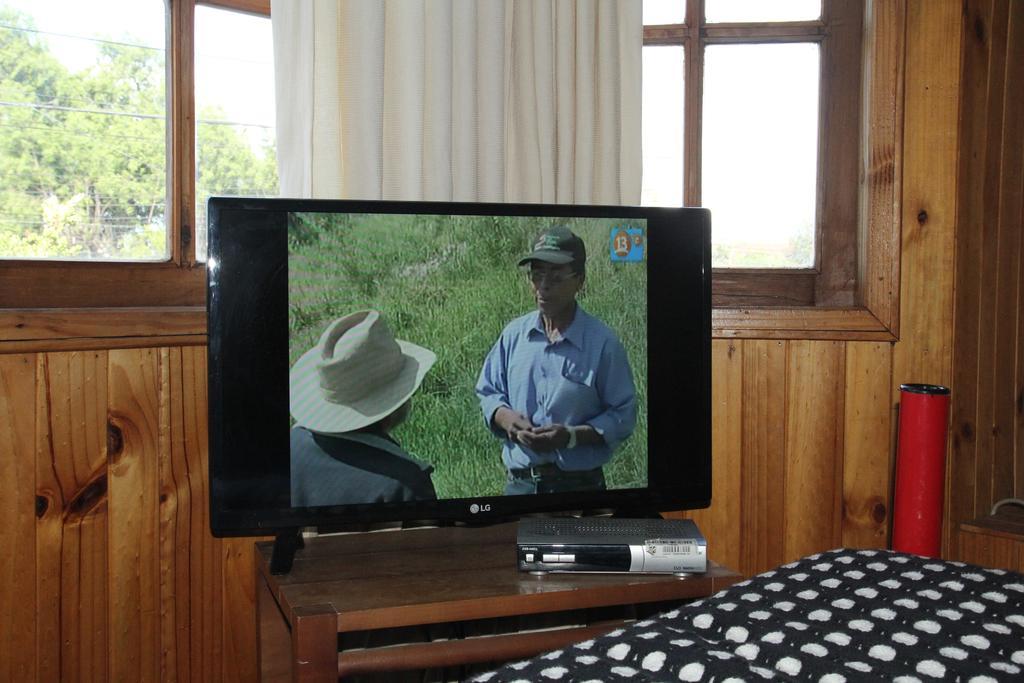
(584, 378)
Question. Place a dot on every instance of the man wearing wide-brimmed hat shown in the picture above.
(346, 394)
(557, 386)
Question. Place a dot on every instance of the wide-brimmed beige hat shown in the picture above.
(357, 374)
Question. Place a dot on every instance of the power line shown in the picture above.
(135, 115)
(13, 94)
(200, 53)
(57, 130)
(113, 223)
(50, 193)
(22, 29)
(83, 134)
(78, 110)
(120, 205)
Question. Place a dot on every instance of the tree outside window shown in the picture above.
(85, 121)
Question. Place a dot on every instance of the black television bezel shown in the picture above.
(680, 326)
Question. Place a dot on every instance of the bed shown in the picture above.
(842, 615)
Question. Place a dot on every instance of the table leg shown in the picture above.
(315, 645)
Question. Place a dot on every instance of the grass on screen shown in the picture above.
(452, 284)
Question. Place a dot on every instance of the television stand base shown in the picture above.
(286, 543)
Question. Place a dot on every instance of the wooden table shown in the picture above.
(414, 577)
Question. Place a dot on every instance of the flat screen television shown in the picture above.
(420, 362)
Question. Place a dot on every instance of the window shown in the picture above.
(748, 110)
(235, 137)
(853, 283)
(110, 144)
(82, 130)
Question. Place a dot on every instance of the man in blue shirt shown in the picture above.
(557, 387)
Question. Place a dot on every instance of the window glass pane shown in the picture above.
(759, 155)
(662, 126)
(761, 10)
(83, 130)
(664, 12)
(235, 135)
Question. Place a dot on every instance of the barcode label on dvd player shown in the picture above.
(663, 546)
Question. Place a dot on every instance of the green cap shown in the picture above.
(558, 245)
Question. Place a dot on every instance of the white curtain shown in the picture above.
(461, 100)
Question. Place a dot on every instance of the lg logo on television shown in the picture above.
(474, 508)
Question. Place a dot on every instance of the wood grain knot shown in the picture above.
(879, 512)
(922, 217)
(42, 505)
(115, 441)
(979, 30)
(88, 497)
(967, 431)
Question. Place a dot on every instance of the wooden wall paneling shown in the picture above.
(134, 384)
(56, 641)
(720, 523)
(1016, 52)
(987, 455)
(1018, 429)
(18, 628)
(813, 471)
(91, 660)
(764, 441)
(205, 552)
(175, 527)
(198, 569)
(49, 540)
(1005, 386)
(970, 239)
(241, 662)
(868, 446)
(987, 321)
(71, 466)
(929, 192)
(924, 352)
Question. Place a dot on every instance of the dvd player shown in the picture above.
(608, 544)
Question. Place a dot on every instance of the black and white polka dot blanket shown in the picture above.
(843, 615)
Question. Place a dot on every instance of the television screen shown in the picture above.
(412, 361)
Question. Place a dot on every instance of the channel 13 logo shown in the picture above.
(627, 244)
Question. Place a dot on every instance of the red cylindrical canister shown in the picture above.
(920, 469)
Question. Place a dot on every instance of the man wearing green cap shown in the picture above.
(557, 387)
